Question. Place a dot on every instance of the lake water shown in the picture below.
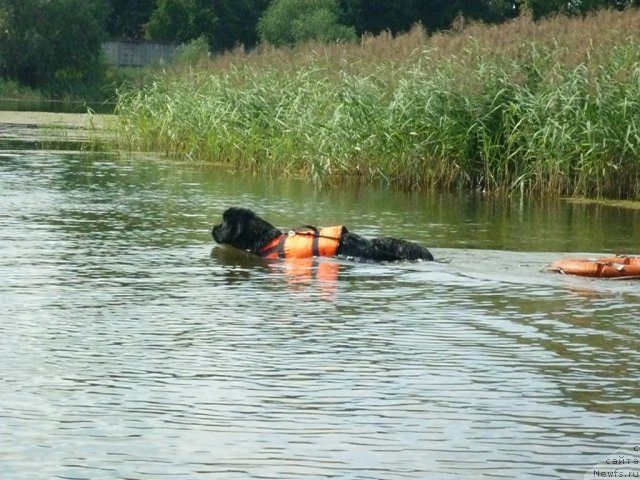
(132, 347)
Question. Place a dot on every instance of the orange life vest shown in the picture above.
(304, 243)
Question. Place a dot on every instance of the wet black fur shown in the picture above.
(243, 229)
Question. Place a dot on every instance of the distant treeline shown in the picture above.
(56, 45)
(228, 23)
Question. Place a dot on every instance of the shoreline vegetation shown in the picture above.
(529, 108)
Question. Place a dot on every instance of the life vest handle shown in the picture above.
(303, 230)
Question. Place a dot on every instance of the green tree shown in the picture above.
(375, 16)
(51, 43)
(127, 19)
(287, 22)
(239, 22)
(182, 20)
(223, 23)
(544, 8)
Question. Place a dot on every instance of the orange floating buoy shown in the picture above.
(605, 267)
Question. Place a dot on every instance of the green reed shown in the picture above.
(537, 118)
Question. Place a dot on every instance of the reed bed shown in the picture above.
(548, 108)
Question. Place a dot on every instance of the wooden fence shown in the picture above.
(137, 54)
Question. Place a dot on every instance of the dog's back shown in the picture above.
(382, 249)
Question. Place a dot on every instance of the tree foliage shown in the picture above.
(127, 19)
(224, 23)
(543, 8)
(51, 43)
(287, 22)
(375, 16)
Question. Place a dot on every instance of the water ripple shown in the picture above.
(133, 348)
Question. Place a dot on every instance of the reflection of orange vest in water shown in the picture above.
(308, 242)
(302, 271)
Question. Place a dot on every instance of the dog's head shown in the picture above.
(243, 229)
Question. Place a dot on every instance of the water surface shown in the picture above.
(132, 347)
(66, 106)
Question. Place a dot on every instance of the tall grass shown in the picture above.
(543, 108)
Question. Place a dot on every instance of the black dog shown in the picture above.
(243, 229)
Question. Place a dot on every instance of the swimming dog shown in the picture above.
(243, 229)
